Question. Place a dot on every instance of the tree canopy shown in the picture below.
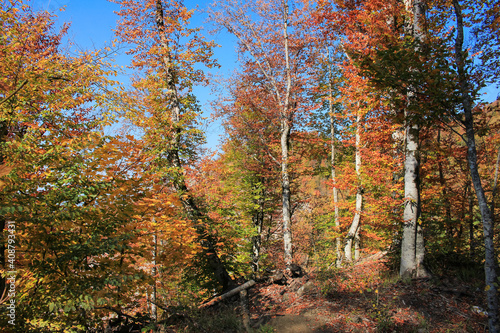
(349, 128)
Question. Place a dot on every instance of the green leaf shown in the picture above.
(52, 307)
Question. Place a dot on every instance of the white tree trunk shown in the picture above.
(338, 241)
(354, 229)
(285, 146)
(412, 245)
(286, 194)
(336, 220)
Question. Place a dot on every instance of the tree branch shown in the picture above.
(15, 92)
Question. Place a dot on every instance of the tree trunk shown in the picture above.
(338, 241)
(286, 117)
(354, 229)
(286, 193)
(214, 263)
(486, 216)
(421, 271)
(412, 244)
(154, 272)
(357, 245)
(258, 222)
(228, 294)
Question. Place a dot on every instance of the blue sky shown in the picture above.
(92, 22)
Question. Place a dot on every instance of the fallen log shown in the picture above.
(373, 257)
(230, 293)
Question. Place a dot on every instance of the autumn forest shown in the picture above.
(350, 129)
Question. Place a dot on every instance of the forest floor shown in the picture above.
(365, 297)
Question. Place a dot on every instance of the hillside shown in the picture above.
(366, 297)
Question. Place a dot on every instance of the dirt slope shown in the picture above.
(365, 298)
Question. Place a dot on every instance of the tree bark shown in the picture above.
(486, 216)
(336, 221)
(412, 244)
(411, 215)
(355, 225)
(230, 293)
(354, 229)
(154, 272)
(357, 245)
(285, 147)
(209, 252)
(258, 222)
(286, 194)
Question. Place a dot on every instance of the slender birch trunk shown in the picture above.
(486, 214)
(354, 229)
(285, 146)
(338, 241)
(336, 220)
(214, 263)
(286, 193)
